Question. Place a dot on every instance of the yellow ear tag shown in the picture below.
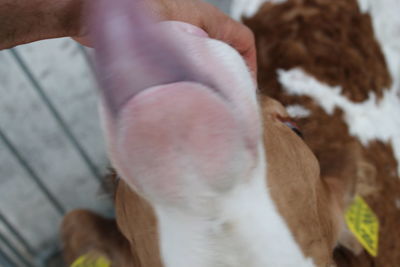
(364, 224)
(88, 260)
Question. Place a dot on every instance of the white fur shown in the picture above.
(242, 228)
(298, 111)
(370, 120)
(248, 8)
(386, 24)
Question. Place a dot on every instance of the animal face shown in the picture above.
(224, 175)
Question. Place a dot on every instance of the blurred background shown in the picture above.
(52, 154)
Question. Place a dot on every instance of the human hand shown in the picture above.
(213, 21)
(27, 21)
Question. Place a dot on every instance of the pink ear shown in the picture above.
(132, 54)
(180, 109)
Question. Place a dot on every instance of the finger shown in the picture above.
(221, 27)
(243, 41)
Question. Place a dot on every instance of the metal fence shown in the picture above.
(15, 248)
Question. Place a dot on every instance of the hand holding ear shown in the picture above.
(206, 16)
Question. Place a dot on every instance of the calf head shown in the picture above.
(328, 44)
(228, 183)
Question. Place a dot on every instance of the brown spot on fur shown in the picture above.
(331, 40)
(302, 198)
(384, 204)
(85, 232)
(138, 223)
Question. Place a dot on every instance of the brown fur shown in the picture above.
(382, 201)
(309, 204)
(85, 232)
(138, 223)
(332, 41)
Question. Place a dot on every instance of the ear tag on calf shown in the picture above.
(364, 224)
(89, 260)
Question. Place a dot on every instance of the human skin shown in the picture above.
(25, 21)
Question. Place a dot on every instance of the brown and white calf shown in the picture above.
(336, 66)
(211, 173)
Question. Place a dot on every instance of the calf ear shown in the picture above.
(134, 53)
(131, 53)
(172, 129)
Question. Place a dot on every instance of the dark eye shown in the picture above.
(292, 125)
(294, 128)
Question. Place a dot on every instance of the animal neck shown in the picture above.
(239, 228)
